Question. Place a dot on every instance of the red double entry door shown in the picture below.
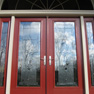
(47, 56)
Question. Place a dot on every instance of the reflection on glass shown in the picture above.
(3, 51)
(29, 54)
(65, 54)
(91, 48)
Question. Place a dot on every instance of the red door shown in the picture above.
(89, 28)
(4, 39)
(64, 56)
(59, 40)
(28, 64)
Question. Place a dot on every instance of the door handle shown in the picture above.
(44, 60)
(50, 60)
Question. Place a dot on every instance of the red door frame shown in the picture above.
(91, 88)
(2, 88)
(51, 88)
(28, 90)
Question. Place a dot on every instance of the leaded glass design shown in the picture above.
(65, 54)
(29, 54)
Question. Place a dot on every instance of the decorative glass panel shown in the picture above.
(90, 37)
(65, 54)
(3, 51)
(29, 54)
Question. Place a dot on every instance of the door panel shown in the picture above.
(4, 39)
(28, 69)
(64, 74)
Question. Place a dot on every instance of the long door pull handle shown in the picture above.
(50, 60)
(44, 60)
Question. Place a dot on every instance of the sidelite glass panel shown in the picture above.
(90, 36)
(29, 54)
(65, 54)
(3, 51)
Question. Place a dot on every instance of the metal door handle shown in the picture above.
(50, 59)
(44, 60)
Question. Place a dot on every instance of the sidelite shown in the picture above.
(3, 51)
(90, 37)
(29, 54)
(65, 54)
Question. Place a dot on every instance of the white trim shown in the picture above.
(43, 13)
(9, 66)
(84, 56)
(1, 2)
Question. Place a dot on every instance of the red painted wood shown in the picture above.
(51, 88)
(47, 72)
(91, 88)
(2, 88)
(28, 90)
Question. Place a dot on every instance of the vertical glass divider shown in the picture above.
(8, 80)
(84, 56)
